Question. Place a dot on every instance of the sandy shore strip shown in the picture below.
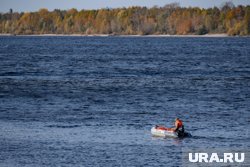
(106, 35)
(189, 35)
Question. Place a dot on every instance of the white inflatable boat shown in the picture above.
(162, 131)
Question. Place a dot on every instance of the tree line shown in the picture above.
(169, 19)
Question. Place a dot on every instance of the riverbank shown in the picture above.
(106, 35)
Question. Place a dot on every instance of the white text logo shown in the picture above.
(226, 158)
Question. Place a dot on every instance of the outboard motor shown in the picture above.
(181, 132)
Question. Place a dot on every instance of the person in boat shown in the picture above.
(179, 127)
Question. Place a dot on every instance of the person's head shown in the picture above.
(176, 119)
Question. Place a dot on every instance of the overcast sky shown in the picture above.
(34, 5)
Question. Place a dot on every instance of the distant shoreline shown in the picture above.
(108, 35)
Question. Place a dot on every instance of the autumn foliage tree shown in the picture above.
(170, 19)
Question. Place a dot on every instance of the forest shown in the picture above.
(170, 19)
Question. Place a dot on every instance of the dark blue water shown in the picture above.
(91, 101)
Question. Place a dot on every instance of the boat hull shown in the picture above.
(159, 132)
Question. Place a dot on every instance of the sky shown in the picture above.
(35, 5)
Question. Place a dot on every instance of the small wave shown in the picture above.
(5, 46)
(145, 113)
(211, 138)
(63, 126)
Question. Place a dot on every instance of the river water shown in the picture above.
(91, 101)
